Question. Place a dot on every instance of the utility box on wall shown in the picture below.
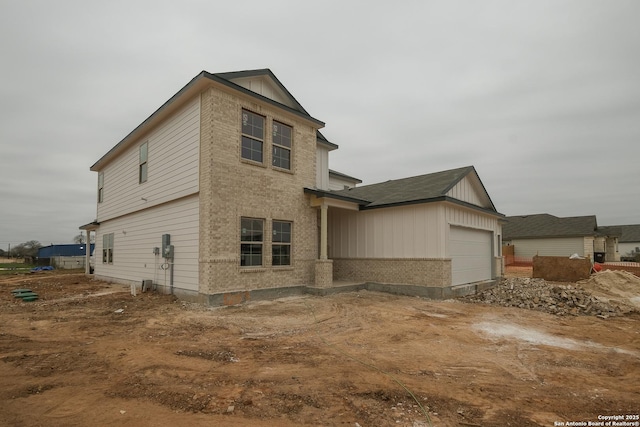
(167, 247)
(166, 241)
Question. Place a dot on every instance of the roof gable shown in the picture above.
(470, 190)
(438, 186)
(273, 92)
(265, 83)
(545, 225)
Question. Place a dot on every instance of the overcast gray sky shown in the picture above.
(542, 97)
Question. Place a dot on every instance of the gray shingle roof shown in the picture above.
(627, 233)
(545, 225)
(416, 189)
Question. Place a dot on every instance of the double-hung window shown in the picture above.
(142, 169)
(100, 187)
(251, 241)
(107, 248)
(281, 243)
(281, 145)
(252, 136)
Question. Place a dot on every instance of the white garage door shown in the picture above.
(471, 256)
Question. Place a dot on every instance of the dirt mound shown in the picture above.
(620, 286)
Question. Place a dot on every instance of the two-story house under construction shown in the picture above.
(224, 194)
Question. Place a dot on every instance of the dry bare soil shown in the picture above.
(88, 353)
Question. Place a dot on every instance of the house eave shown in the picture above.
(344, 176)
(90, 227)
(331, 195)
(435, 200)
(197, 85)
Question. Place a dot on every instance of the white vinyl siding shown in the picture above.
(322, 168)
(174, 151)
(627, 247)
(528, 248)
(137, 234)
(336, 183)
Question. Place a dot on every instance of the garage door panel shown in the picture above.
(471, 255)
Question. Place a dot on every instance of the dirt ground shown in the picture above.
(89, 353)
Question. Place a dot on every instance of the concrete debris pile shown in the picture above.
(560, 299)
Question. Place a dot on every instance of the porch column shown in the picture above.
(323, 231)
(87, 266)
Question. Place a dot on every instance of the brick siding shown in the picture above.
(231, 188)
(411, 271)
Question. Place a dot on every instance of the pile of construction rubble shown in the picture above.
(578, 299)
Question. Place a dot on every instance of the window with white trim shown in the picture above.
(251, 241)
(281, 145)
(252, 136)
(281, 243)
(107, 248)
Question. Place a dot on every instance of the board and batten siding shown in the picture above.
(469, 189)
(173, 165)
(528, 248)
(137, 234)
(322, 168)
(413, 231)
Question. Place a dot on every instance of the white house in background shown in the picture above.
(224, 194)
(548, 235)
(629, 240)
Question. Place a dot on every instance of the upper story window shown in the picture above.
(100, 187)
(142, 169)
(251, 242)
(281, 145)
(252, 136)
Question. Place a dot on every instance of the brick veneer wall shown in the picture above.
(231, 188)
(411, 271)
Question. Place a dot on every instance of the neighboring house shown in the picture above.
(65, 256)
(629, 241)
(548, 235)
(224, 194)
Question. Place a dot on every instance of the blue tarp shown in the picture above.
(46, 268)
